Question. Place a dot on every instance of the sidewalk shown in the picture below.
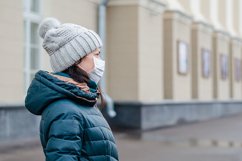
(214, 140)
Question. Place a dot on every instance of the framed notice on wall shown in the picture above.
(206, 63)
(224, 66)
(182, 57)
(237, 69)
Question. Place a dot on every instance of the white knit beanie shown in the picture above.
(67, 43)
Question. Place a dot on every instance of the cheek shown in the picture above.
(87, 64)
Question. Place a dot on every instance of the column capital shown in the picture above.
(155, 6)
(179, 15)
(221, 34)
(236, 39)
(204, 26)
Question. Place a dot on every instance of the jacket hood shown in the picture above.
(46, 88)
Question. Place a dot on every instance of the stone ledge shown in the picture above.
(17, 123)
(145, 116)
(8, 147)
(17, 105)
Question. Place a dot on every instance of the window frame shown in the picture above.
(30, 18)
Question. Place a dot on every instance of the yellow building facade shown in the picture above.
(166, 60)
(146, 47)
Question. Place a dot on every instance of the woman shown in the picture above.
(71, 127)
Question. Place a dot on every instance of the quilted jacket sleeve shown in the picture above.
(64, 140)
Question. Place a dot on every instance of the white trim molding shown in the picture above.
(156, 6)
(95, 1)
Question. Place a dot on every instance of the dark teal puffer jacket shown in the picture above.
(72, 128)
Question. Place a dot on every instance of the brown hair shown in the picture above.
(81, 76)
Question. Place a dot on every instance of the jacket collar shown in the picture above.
(46, 88)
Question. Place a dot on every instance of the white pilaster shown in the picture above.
(175, 5)
(209, 9)
(214, 14)
(240, 17)
(195, 7)
(229, 19)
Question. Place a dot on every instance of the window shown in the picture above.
(237, 69)
(224, 68)
(32, 55)
(182, 57)
(206, 63)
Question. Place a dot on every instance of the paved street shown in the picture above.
(214, 140)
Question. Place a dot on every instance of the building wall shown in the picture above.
(135, 52)
(137, 61)
(221, 46)
(122, 52)
(11, 51)
(141, 58)
(202, 83)
(177, 27)
(150, 56)
(235, 63)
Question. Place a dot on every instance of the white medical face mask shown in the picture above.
(97, 73)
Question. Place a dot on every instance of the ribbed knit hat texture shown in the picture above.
(67, 43)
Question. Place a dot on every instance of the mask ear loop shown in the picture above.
(94, 62)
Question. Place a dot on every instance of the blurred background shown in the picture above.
(173, 75)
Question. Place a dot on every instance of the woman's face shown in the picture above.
(87, 62)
